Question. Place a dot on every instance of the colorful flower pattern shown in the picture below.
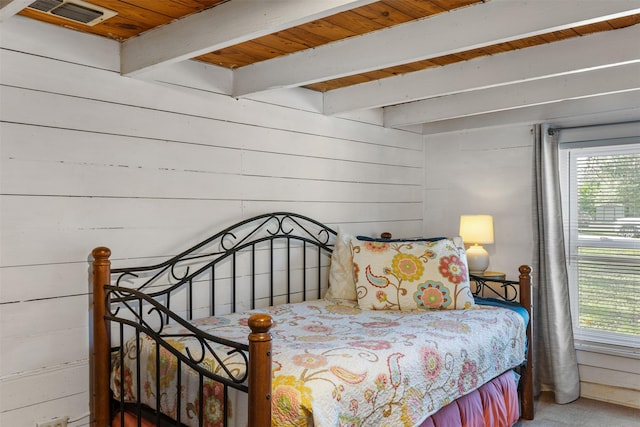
(376, 246)
(432, 295)
(421, 361)
(412, 275)
(213, 395)
(291, 402)
(468, 379)
(406, 267)
(309, 361)
(452, 268)
(431, 363)
(168, 364)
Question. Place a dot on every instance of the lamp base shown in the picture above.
(477, 259)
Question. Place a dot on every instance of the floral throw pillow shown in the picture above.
(411, 275)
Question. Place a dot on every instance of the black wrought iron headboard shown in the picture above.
(272, 249)
(276, 245)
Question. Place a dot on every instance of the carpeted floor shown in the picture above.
(582, 412)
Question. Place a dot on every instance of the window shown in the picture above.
(601, 208)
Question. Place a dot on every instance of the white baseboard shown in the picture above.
(616, 395)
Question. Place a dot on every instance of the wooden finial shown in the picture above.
(525, 269)
(101, 252)
(260, 323)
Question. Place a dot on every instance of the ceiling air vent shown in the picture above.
(74, 10)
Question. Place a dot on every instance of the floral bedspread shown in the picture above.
(336, 365)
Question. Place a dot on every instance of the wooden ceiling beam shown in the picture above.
(538, 62)
(622, 78)
(612, 108)
(225, 25)
(469, 28)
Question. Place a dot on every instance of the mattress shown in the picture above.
(334, 364)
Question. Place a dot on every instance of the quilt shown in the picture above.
(337, 365)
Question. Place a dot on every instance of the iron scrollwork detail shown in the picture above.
(183, 267)
(508, 290)
(140, 298)
(148, 316)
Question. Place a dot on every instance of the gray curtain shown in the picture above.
(555, 361)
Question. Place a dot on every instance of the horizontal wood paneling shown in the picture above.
(21, 318)
(41, 145)
(19, 391)
(36, 351)
(95, 84)
(326, 169)
(616, 363)
(25, 35)
(30, 238)
(350, 213)
(91, 158)
(29, 415)
(609, 378)
(483, 172)
(490, 171)
(90, 115)
(169, 231)
(29, 282)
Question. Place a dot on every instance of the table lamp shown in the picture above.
(477, 230)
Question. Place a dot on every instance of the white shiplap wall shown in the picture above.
(483, 171)
(90, 158)
(490, 171)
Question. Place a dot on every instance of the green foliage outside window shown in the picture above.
(606, 254)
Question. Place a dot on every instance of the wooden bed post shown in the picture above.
(527, 404)
(260, 370)
(100, 341)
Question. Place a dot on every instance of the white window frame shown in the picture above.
(599, 142)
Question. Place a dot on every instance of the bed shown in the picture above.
(241, 330)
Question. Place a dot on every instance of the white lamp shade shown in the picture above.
(476, 229)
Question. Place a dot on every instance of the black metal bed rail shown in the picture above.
(239, 236)
(508, 290)
(121, 406)
(183, 269)
(144, 310)
(139, 299)
(148, 316)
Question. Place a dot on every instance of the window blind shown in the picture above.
(603, 225)
(608, 192)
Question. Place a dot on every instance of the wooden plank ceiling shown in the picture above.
(347, 20)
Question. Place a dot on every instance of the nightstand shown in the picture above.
(489, 282)
(492, 275)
